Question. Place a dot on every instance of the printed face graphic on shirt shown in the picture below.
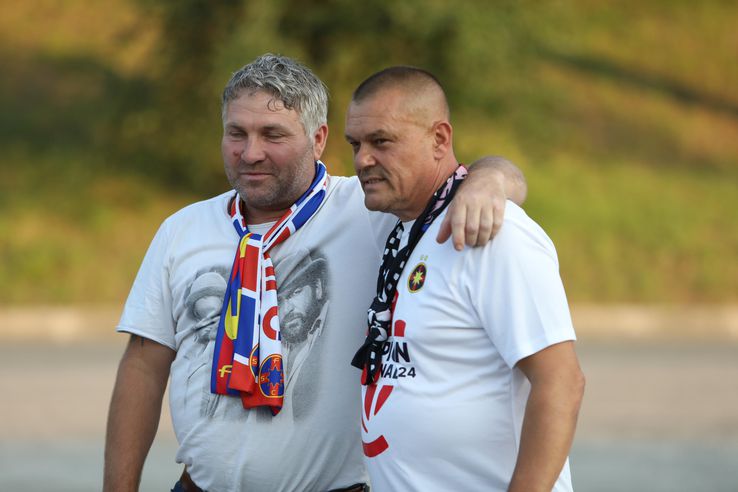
(203, 300)
(301, 308)
(203, 303)
(207, 306)
(301, 295)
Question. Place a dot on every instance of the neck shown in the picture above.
(257, 216)
(445, 168)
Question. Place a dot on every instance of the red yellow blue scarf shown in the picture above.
(247, 360)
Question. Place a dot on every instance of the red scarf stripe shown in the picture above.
(249, 321)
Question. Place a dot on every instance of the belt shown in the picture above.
(185, 481)
(357, 487)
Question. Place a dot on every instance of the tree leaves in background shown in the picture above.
(170, 127)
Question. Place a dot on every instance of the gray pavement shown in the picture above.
(656, 417)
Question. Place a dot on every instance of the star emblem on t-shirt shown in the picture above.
(417, 278)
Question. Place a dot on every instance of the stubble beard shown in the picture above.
(294, 330)
(281, 190)
(295, 327)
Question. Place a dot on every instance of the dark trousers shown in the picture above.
(185, 484)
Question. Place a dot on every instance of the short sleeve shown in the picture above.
(519, 296)
(148, 309)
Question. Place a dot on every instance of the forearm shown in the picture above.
(547, 434)
(510, 177)
(133, 420)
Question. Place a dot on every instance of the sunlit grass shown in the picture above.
(67, 235)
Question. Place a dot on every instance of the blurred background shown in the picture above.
(622, 115)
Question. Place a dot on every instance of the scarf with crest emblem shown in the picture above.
(247, 359)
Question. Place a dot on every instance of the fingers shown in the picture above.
(490, 222)
(454, 225)
(471, 227)
(499, 215)
(486, 227)
(444, 231)
(472, 222)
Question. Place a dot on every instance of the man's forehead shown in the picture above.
(257, 106)
(260, 98)
(380, 117)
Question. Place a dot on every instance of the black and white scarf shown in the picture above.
(369, 356)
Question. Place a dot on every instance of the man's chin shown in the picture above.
(294, 335)
(371, 203)
(260, 198)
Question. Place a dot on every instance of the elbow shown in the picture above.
(519, 195)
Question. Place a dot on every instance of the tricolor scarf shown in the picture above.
(247, 360)
(369, 356)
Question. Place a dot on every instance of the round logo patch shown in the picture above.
(271, 379)
(417, 278)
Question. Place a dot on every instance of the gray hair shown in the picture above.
(295, 85)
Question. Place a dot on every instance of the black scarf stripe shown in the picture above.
(369, 356)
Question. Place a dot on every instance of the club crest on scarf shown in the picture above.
(247, 360)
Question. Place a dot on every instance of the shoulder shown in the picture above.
(520, 244)
(345, 194)
(520, 232)
(517, 229)
(345, 199)
(215, 206)
(344, 186)
(195, 220)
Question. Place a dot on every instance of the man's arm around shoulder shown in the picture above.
(557, 387)
(134, 412)
(476, 213)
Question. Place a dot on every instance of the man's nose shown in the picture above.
(363, 159)
(252, 151)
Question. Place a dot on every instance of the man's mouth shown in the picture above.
(254, 175)
(371, 181)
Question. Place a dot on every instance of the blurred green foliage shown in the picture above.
(623, 115)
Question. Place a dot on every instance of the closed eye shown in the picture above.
(234, 131)
(273, 135)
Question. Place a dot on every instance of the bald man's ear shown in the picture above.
(442, 139)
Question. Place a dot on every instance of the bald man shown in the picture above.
(470, 378)
(314, 246)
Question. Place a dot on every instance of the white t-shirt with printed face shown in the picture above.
(326, 273)
(447, 411)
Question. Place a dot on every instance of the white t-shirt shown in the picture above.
(326, 275)
(446, 413)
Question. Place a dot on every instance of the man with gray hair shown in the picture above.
(284, 217)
